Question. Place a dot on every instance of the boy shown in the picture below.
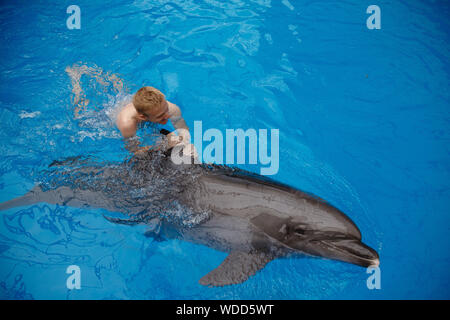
(149, 104)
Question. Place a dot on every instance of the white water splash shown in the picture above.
(24, 114)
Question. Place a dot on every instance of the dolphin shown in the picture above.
(253, 218)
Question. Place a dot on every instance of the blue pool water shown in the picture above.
(363, 118)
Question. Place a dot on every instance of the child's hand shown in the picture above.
(142, 150)
(190, 151)
(173, 139)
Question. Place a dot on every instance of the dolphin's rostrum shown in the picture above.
(253, 218)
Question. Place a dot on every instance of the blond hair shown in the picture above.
(147, 98)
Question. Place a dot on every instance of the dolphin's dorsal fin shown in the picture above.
(236, 268)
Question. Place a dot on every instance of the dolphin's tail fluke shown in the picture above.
(27, 199)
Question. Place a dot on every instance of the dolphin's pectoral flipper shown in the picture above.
(154, 230)
(236, 268)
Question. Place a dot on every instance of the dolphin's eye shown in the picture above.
(300, 231)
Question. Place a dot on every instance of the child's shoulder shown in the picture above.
(174, 110)
(125, 117)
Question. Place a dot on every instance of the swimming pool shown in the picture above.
(363, 119)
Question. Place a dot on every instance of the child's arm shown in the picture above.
(133, 145)
(179, 123)
(182, 130)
